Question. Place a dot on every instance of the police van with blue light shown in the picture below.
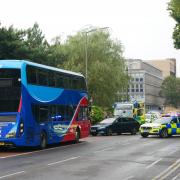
(164, 127)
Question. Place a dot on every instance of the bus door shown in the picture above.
(83, 121)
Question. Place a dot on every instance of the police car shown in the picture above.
(164, 127)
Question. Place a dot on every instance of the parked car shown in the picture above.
(164, 127)
(115, 125)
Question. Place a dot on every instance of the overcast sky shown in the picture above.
(143, 26)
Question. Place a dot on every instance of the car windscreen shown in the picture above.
(10, 89)
(108, 121)
(148, 116)
(123, 107)
(163, 120)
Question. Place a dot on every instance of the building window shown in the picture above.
(141, 88)
(137, 88)
(137, 79)
(141, 79)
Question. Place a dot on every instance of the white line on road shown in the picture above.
(168, 171)
(37, 151)
(124, 144)
(65, 160)
(13, 174)
(176, 177)
(130, 177)
(155, 162)
(104, 150)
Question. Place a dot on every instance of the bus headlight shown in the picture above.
(11, 135)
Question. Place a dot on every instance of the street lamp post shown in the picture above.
(86, 51)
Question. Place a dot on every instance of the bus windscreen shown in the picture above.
(10, 89)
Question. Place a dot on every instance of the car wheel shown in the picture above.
(109, 132)
(163, 133)
(144, 135)
(133, 131)
(43, 140)
(94, 134)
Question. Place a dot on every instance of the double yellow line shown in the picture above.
(168, 171)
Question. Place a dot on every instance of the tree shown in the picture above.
(12, 43)
(106, 69)
(57, 54)
(38, 47)
(174, 8)
(27, 44)
(170, 91)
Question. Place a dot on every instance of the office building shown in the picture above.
(145, 83)
(167, 66)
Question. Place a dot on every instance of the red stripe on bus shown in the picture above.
(20, 105)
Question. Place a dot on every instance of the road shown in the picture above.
(123, 157)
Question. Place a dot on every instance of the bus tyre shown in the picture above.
(77, 136)
(144, 135)
(164, 133)
(43, 141)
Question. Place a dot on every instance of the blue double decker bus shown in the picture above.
(41, 105)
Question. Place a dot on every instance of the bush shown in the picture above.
(96, 114)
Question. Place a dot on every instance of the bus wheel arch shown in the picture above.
(43, 139)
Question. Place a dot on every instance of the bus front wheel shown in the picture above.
(43, 141)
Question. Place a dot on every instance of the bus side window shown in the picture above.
(66, 82)
(52, 113)
(43, 113)
(31, 75)
(75, 83)
(59, 80)
(82, 114)
(82, 84)
(42, 77)
(35, 112)
(61, 112)
(51, 79)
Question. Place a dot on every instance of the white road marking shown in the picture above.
(155, 162)
(37, 151)
(130, 177)
(176, 177)
(13, 174)
(168, 171)
(104, 150)
(65, 160)
(124, 144)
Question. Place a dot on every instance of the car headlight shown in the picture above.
(101, 128)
